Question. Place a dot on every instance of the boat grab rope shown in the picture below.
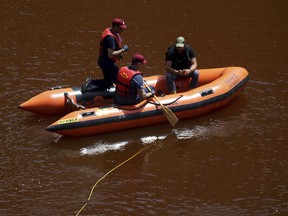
(92, 190)
(151, 102)
(139, 107)
(166, 104)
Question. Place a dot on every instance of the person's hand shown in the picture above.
(150, 94)
(125, 48)
(186, 72)
(180, 73)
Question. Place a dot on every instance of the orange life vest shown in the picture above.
(105, 33)
(124, 77)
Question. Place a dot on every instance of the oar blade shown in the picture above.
(172, 118)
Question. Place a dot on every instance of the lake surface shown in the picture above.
(230, 162)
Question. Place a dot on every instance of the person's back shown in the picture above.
(130, 83)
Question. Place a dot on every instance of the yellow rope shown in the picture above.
(91, 192)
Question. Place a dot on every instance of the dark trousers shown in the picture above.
(109, 69)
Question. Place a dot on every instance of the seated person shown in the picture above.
(130, 84)
(180, 62)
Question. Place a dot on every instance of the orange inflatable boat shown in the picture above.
(217, 87)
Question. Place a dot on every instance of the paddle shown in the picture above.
(168, 113)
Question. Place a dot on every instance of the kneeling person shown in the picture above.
(130, 84)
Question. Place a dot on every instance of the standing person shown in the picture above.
(180, 62)
(130, 84)
(110, 51)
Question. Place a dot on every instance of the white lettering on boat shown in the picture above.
(232, 81)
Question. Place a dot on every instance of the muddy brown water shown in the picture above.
(229, 162)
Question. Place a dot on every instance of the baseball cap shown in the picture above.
(180, 42)
(138, 58)
(119, 22)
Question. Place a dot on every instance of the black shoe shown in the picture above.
(85, 86)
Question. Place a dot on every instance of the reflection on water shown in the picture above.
(217, 128)
(102, 148)
(152, 139)
(230, 162)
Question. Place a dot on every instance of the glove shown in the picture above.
(125, 48)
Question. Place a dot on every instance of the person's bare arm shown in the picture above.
(193, 67)
(169, 69)
(114, 53)
(143, 94)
